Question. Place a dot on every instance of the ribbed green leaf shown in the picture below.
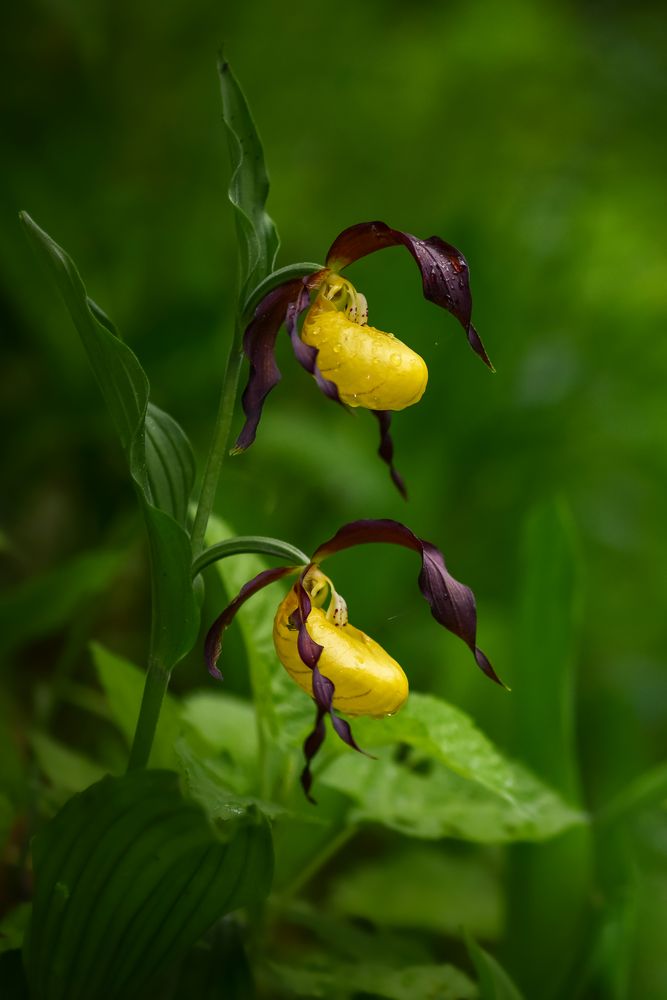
(494, 983)
(128, 876)
(170, 463)
(249, 186)
(159, 456)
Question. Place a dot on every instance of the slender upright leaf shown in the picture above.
(129, 875)
(494, 983)
(159, 456)
(547, 939)
(249, 186)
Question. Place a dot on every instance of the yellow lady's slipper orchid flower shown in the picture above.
(369, 368)
(366, 679)
(352, 363)
(334, 662)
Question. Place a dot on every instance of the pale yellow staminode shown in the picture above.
(369, 368)
(367, 680)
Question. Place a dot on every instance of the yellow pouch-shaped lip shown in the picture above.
(369, 368)
(367, 680)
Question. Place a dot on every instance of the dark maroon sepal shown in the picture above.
(213, 642)
(311, 745)
(306, 354)
(452, 603)
(386, 449)
(444, 270)
(259, 341)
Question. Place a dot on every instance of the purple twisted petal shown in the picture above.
(444, 269)
(386, 449)
(259, 341)
(452, 603)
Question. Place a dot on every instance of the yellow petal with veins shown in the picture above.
(369, 368)
(367, 680)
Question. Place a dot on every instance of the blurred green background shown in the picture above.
(533, 137)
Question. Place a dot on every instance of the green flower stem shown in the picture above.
(311, 868)
(157, 682)
(218, 447)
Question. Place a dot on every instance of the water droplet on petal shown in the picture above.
(395, 360)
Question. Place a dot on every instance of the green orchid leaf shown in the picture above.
(249, 186)
(128, 876)
(159, 456)
(494, 983)
(170, 463)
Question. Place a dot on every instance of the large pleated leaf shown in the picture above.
(158, 453)
(128, 876)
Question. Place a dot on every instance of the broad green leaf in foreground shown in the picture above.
(249, 186)
(466, 788)
(494, 983)
(158, 454)
(128, 876)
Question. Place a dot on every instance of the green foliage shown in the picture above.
(452, 783)
(423, 888)
(326, 979)
(123, 685)
(249, 187)
(494, 983)
(49, 601)
(129, 875)
(158, 454)
(549, 617)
